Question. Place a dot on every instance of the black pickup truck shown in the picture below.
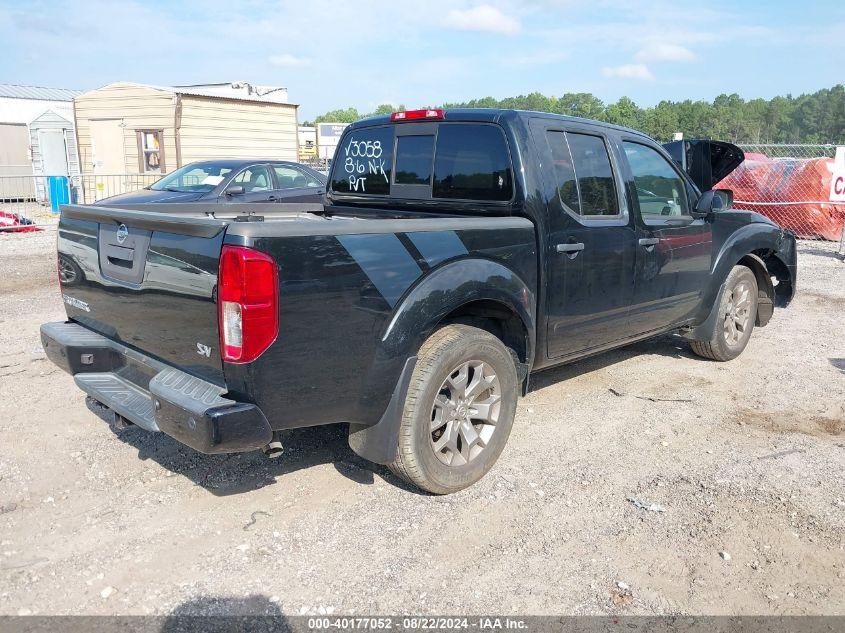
(456, 253)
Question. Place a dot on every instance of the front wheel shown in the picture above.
(736, 317)
(459, 410)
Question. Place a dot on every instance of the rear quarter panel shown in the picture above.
(345, 283)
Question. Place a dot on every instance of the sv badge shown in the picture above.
(203, 350)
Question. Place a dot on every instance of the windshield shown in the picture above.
(195, 178)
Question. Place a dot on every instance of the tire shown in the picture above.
(452, 431)
(736, 317)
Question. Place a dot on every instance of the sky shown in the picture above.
(333, 54)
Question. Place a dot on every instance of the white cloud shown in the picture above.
(628, 71)
(286, 60)
(481, 18)
(664, 52)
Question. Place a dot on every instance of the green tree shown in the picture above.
(348, 115)
(624, 112)
(661, 121)
(811, 118)
(580, 104)
(386, 108)
(777, 123)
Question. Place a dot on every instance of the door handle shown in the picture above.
(649, 242)
(571, 249)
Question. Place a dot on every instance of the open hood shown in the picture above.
(707, 162)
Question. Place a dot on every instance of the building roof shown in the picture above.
(235, 90)
(37, 93)
(241, 90)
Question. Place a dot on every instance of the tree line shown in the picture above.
(809, 118)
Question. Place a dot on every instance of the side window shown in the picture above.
(413, 160)
(660, 190)
(254, 179)
(472, 163)
(594, 175)
(292, 178)
(567, 187)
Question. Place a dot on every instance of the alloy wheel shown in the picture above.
(67, 274)
(737, 313)
(465, 413)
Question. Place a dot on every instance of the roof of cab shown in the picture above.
(496, 115)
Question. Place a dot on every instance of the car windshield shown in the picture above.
(194, 178)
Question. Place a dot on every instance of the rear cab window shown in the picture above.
(414, 159)
(363, 162)
(425, 161)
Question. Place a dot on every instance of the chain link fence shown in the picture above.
(315, 162)
(791, 185)
(35, 200)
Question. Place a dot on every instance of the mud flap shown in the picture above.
(378, 443)
(706, 330)
(765, 309)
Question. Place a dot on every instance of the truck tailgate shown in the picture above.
(147, 280)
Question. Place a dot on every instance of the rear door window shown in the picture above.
(292, 178)
(594, 175)
(565, 179)
(472, 163)
(363, 163)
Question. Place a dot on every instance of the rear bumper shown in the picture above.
(153, 395)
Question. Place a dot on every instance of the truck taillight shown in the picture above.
(247, 303)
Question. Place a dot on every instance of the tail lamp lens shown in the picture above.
(247, 303)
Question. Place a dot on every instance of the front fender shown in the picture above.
(759, 236)
(744, 242)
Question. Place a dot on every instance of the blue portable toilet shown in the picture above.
(59, 191)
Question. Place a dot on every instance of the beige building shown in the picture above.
(128, 128)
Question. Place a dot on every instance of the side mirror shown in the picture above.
(235, 190)
(712, 201)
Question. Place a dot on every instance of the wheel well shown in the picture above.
(772, 267)
(501, 322)
(777, 269)
(765, 265)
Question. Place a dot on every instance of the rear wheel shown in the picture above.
(459, 410)
(736, 317)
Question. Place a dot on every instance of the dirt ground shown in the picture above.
(726, 498)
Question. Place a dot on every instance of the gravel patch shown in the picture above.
(641, 481)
